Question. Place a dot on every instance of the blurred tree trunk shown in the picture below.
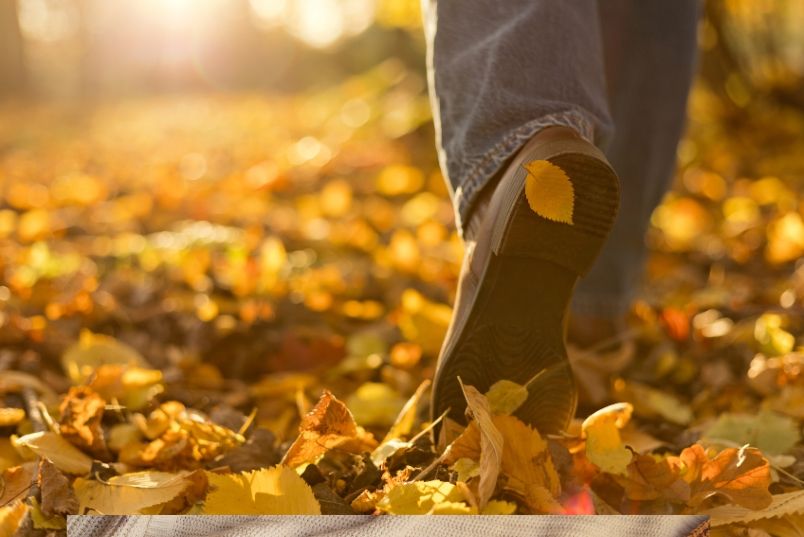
(13, 76)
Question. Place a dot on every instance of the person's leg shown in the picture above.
(519, 100)
(501, 71)
(650, 50)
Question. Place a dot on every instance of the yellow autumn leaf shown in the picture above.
(11, 416)
(11, 516)
(420, 498)
(527, 469)
(42, 522)
(8, 455)
(604, 446)
(466, 469)
(129, 494)
(67, 458)
(268, 491)
(549, 191)
(499, 507)
(93, 350)
(505, 396)
(375, 403)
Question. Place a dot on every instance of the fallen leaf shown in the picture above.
(420, 498)
(650, 402)
(270, 491)
(11, 416)
(790, 503)
(80, 421)
(650, 477)
(526, 466)
(505, 396)
(94, 350)
(769, 432)
(375, 403)
(16, 482)
(8, 455)
(491, 443)
(128, 494)
(604, 446)
(132, 386)
(328, 425)
(549, 191)
(742, 476)
(41, 521)
(773, 340)
(499, 507)
(63, 454)
(259, 451)
(11, 517)
(466, 469)
(404, 422)
(401, 428)
(58, 498)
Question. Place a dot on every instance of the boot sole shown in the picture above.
(515, 328)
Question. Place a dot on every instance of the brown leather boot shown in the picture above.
(543, 226)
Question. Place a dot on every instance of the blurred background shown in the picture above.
(237, 188)
(85, 49)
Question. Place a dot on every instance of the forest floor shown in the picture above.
(196, 287)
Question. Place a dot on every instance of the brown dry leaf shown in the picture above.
(742, 476)
(604, 446)
(328, 425)
(129, 494)
(549, 191)
(182, 439)
(16, 482)
(526, 468)
(57, 494)
(491, 443)
(80, 421)
(63, 454)
(651, 477)
(269, 491)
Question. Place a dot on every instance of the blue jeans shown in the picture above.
(616, 71)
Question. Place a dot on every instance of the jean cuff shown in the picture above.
(486, 167)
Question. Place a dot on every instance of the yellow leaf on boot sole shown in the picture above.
(549, 191)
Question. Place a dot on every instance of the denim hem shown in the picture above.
(482, 172)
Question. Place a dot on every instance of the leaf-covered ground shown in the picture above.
(234, 305)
